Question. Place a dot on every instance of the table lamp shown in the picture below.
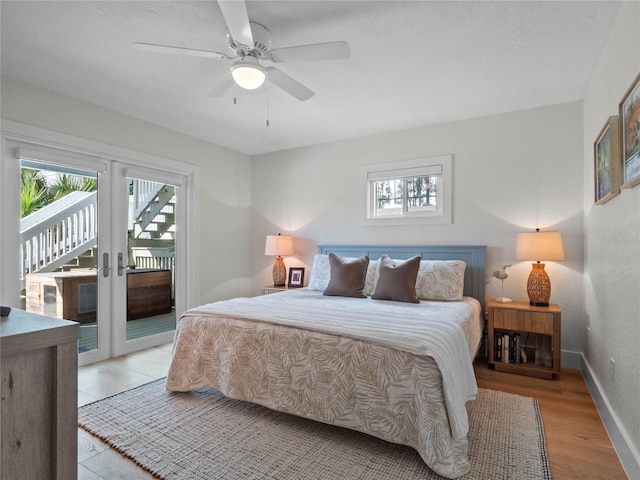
(539, 246)
(279, 245)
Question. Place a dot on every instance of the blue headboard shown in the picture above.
(472, 255)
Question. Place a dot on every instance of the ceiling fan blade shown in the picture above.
(315, 51)
(237, 19)
(289, 85)
(222, 86)
(150, 47)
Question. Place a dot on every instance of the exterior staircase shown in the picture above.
(62, 235)
(151, 240)
(87, 259)
(58, 233)
(154, 214)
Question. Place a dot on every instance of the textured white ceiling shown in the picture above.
(413, 63)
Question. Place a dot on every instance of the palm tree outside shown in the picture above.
(38, 190)
(33, 191)
(65, 184)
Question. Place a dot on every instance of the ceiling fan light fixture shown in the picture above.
(248, 73)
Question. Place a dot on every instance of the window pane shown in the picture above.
(388, 197)
(410, 192)
(422, 194)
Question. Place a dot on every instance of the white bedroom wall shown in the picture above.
(612, 239)
(225, 193)
(511, 173)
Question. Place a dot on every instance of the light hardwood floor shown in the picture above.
(577, 442)
(578, 445)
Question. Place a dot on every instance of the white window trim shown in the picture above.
(416, 167)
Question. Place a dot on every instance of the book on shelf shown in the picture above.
(507, 347)
(506, 354)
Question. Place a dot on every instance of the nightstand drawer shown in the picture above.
(271, 289)
(534, 322)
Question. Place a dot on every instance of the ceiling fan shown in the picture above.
(249, 44)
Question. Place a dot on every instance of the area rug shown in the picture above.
(204, 435)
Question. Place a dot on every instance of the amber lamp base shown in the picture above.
(539, 286)
(279, 273)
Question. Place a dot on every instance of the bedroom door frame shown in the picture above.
(113, 164)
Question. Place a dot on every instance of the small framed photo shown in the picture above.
(296, 277)
(630, 130)
(606, 157)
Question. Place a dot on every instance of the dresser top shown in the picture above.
(23, 331)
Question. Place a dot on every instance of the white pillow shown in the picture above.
(369, 283)
(439, 280)
(321, 274)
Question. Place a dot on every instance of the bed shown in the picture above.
(396, 370)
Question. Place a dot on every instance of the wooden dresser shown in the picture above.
(39, 398)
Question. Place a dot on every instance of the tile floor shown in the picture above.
(96, 460)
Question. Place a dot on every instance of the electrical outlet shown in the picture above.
(612, 371)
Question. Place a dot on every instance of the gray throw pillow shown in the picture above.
(397, 280)
(347, 277)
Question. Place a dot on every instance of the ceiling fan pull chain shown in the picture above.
(267, 101)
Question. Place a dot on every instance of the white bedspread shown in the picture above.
(449, 332)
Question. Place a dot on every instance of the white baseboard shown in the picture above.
(628, 455)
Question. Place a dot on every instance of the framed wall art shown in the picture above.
(606, 158)
(296, 277)
(630, 132)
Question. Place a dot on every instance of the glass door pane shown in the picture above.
(151, 226)
(59, 245)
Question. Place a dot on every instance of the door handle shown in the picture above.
(121, 266)
(105, 265)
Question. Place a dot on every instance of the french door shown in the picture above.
(138, 261)
(108, 255)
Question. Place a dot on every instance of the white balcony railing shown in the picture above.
(57, 233)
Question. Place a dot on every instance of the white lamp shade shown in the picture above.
(248, 73)
(539, 246)
(278, 245)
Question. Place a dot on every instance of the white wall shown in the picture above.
(511, 173)
(225, 193)
(612, 238)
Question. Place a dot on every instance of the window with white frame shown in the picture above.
(409, 191)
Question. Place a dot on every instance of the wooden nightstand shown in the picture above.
(271, 289)
(524, 339)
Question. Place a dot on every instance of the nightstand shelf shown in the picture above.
(516, 328)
